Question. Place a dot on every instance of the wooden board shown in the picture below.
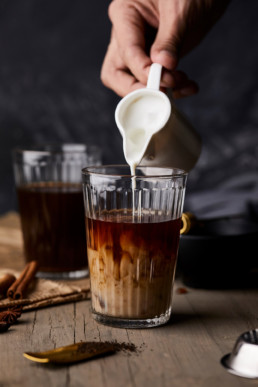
(184, 353)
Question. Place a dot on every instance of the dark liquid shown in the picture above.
(132, 265)
(52, 217)
(117, 233)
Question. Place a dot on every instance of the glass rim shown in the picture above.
(56, 148)
(93, 170)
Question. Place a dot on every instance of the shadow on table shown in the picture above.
(224, 279)
(190, 319)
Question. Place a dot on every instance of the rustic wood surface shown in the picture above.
(184, 353)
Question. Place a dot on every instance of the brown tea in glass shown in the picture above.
(52, 218)
(132, 265)
(49, 188)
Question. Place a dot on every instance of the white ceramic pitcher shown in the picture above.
(173, 142)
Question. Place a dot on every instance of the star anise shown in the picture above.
(11, 315)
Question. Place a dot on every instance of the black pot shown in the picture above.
(220, 253)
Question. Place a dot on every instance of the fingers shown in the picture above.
(116, 76)
(129, 30)
(184, 87)
(190, 88)
(173, 22)
(114, 73)
(126, 65)
(166, 47)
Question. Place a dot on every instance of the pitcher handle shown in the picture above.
(154, 76)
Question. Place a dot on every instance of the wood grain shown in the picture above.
(184, 353)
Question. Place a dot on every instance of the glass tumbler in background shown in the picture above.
(49, 190)
(132, 242)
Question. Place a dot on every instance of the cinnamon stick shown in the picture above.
(13, 287)
(17, 289)
(5, 282)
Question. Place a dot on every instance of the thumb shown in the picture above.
(167, 44)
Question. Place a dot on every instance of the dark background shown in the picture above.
(50, 60)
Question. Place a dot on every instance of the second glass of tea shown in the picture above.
(50, 199)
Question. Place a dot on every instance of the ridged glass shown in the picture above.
(49, 190)
(132, 227)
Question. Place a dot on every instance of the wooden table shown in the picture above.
(186, 352)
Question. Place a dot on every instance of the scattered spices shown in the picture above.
(181, 291)
(5, 282)
(94, 347)
(97, 348)
(10, 315)
(91, 349)
(17, 289)
(124, 346)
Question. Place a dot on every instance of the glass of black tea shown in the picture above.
(50, 199)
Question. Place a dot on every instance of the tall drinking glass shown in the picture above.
(48, 182)
(132, 242)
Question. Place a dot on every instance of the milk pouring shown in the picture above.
(133, 234)
(154, 132)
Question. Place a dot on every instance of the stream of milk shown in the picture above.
(140, 121)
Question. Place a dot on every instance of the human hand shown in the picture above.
(178, 26)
